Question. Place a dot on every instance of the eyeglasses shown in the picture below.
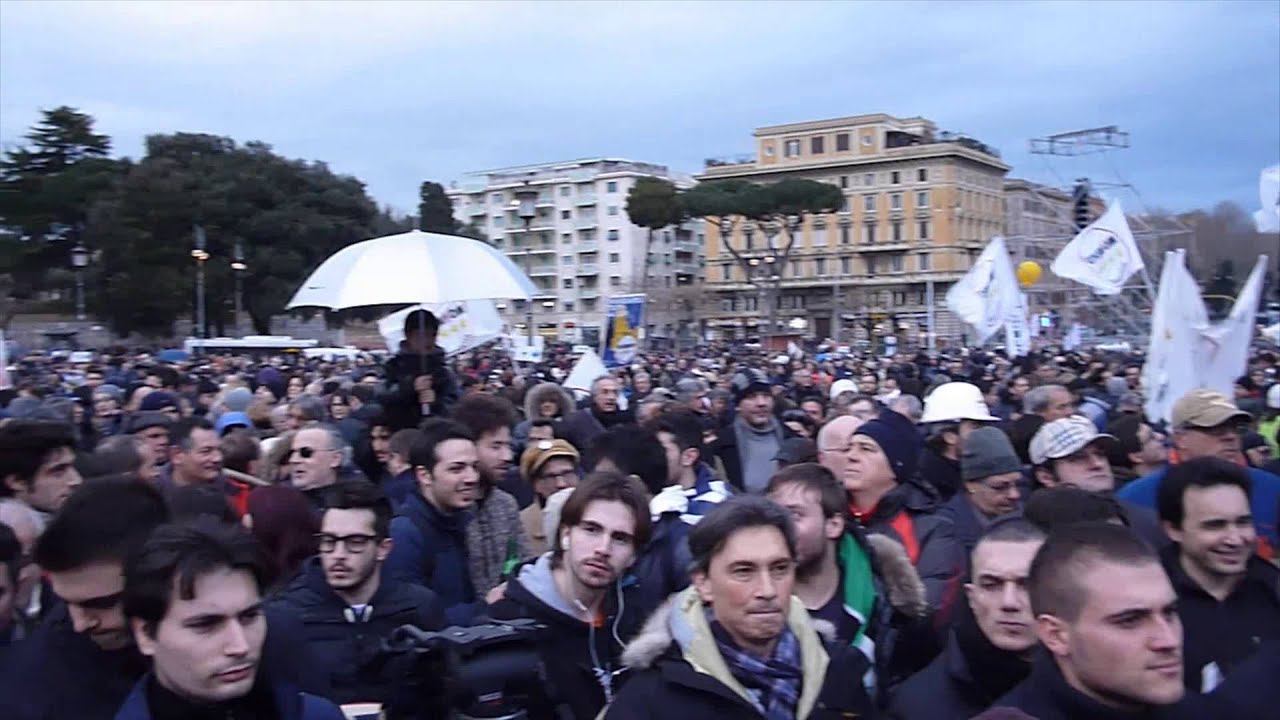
(307, 452)
(354, 543)
(564, 475)
(1001, 488)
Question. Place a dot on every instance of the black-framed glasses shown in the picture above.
(306, 452)
(354, 543)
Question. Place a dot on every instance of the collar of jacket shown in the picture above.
(911, 495)
(1257, 571)
(385, 601)
(1048, 688)
(682, 622)
(454, 523)
(533, 586)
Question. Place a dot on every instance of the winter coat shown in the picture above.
(678, 671)
(532, 399)
(347, 647)
(572, 651)
(582, 426)
(399, 400)
(1223, 633)
(291, 704)
(725, 450)
(1045, 695)
(966, 522)
(430, 549)
(495, 540)
(941, 472)
(1264, 501)
(1250, 692)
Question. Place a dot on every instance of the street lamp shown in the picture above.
(238, 267)
(79, 260)
(526, 207)
(200, 255)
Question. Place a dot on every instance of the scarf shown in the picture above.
(773, 683)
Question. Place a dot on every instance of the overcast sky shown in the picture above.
(398, 92)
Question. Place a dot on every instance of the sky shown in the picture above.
(395, 93)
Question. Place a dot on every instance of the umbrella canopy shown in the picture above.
(412, 267)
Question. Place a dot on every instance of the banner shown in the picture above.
(1073, 339)
(1224, 351)
(1268, 218)
(988, 294)
(1103, 255)
(624, 318)
(1177, 319)
(1017, 333)
(464, 324)
(585, 371)
(523, 351)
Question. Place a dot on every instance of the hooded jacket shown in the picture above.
(430, 549)
(577, 655)
(537, 395)
(679, 672)
(582, 426)
(346, 646)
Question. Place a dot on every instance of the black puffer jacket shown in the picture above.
(913, 508)
(399, 401)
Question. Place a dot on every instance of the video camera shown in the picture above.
(489, 672)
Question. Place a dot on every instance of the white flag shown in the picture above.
(1017, 333)
(1072, 341)
(1177, 322)
(1103, 255)
(1268, 218)
(1224, 347)
(988, 293)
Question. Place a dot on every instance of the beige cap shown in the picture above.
(541, 451)
(1205, 408)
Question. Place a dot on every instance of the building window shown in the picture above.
(726, 272)
(566, 214)
(922, 199)
(613, 209)
(820, 266)
(897, 232)
(842, 142)
(922, 175)
(615, 281)
(667, 280)
(866, 140)
(613, 258)
(612, 235)
(869, 179)
(748, 238)
(895, 177)
(566, 259)
(924, 261)
(869, 234)
(611, 186)
(869, 203)
(498, 221)
(568, 283)
(895, 201)
(895, 263)
(565, 191)
(844, 234)
(496, 198)
(871, 264)
(846, 265)
(792, 148)
(768, 151)
(566, 238)
(923, 230)
(568, 306)
(844, 182)
(816, 145)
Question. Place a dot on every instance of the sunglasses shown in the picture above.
(306, 452)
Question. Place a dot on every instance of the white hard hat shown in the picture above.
(842, 386)
(955, 401)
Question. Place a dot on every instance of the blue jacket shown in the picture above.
(347, 652)
(431, 550)
(1265, 500)
(291, 704)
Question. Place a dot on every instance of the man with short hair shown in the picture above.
(582, 426)
(419, 384)
(991, 472)
(151, 430)
(429, 532)
(1206, 423)
(193, 598)
(748, 444)
(195, 455)
(400, 481)
(346, 606)
(37, 464)
(1051, 402)
(992, 641)
(305, 411)
(1141, 449)
(1108, 618)
(576, 591)
(1228, 597)
(496, 542)
(736, 643)
(317, 459)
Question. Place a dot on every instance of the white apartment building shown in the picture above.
(581, 248)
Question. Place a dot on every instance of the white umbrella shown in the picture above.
(412, 267)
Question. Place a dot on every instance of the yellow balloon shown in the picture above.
(1028, 273)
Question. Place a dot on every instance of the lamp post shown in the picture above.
(79, 260)
(200, 255)
(238, 267)
(526, 206)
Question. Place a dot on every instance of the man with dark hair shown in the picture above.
(429, 532)
(419, 383)
(576, 590)
(582, 427)
(37, 464)
(1140, 449)
(496, 542)
(399, 481)
(992, 639)
(241, 451)
(629, 450)
(193, 597)
(748, 444)
(345, 605)
(1048, 508)
(80, 661)
(1108, 618)
(1228, 597)
(736, 643)
(692, 488)
(195, 455)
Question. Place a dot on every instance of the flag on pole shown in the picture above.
(1177, 321)
(1017, 333)
(1224, 349)
(1073, 340)
(988, 294)
(1268, 218)
(1103, 255)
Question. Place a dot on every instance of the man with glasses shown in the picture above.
(991, 472)
(346, 606)
(548, 466)
(1206, 423)
(316, 460)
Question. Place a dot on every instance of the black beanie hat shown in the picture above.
(898, 438)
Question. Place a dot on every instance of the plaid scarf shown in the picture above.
(773, 683)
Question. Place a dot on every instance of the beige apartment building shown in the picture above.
(920, 205)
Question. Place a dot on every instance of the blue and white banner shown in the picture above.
(1103, 255)
(623, 320)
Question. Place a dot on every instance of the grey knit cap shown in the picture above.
(987, 451)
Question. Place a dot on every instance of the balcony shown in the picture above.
(587, 223)
(586, 246)
(689, 246)
(584, 200)
(588, 269)
(538, 225)
(545, 270)
(519, 251)
(545, 201)
(478, 209)
(588, 293)
(686, 268)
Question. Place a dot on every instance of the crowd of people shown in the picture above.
(714, 533)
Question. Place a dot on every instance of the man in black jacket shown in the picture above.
(992, 637)
(1228, 597)
(345, 605)
(576, 590)
(583, 426)
(419, 383)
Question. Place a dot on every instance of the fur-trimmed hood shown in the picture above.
(902, 583)
(547, 391)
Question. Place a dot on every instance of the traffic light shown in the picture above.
(1080, 204)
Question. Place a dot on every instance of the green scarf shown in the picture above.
(859, 584)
